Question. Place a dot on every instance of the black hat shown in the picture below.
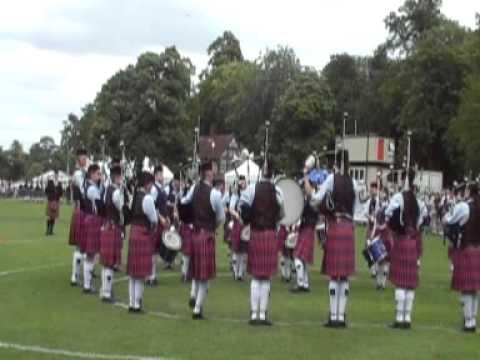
(158, 168)
(81, 151)
(145, 178)
(241, 177)
(206, 166)
(115, 171)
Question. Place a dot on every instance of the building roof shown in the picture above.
(213, 146)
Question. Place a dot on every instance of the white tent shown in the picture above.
(248, 167)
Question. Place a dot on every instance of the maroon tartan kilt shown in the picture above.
(262, 254)
(202, 260)
(237, 245)
(80, 231)
(451, 252)
(339, 249)
(186, 233)
(93, 226)
(403, 261)
(53, 209)
(466, 269)
(304, 250)
(111, 245)
(140, 252)
(157, 240)
(74, 220)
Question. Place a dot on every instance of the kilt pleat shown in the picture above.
(304, 250)
(403, 261)
(111, 245)
(339, 249)
(52, 210)
(93, 226)
(281, 239)
(466, 269)
(262, 254)
(237, 245)
(202, 260)
(140, 252)
(157, 240)
(74, 220)
(186, 232)
(80, 231)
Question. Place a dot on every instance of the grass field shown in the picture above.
(42, 317)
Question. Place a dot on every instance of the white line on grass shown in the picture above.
(74, 354)
(33, 268)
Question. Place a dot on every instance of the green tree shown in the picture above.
(412, 21)
(224, 50)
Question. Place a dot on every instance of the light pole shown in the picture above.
(409, 136)
(342, 165)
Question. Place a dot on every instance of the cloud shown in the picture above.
(55, 54)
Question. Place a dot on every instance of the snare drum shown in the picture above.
(376, 252)
(172, 239)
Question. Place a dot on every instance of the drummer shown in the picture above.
(305, 246)
(262, 206)
(238, 246)
(339, 190)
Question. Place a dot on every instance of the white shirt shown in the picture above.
(396, 202)
(248, 195)
(460, 214)
(93, 193)
(117, 198)
(215, 201)
(148, 207)
(78, 178)
(154, 191)
(328, 186)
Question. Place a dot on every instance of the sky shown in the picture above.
(55, 54)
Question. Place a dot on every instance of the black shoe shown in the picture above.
(73, 283)
(341, 324)
(397, 325)
(265, 322)
(254, 322)
(90, 291)
(198, 316)
(191, 303)
(131, 309)
(333, 324)
(469, 329)
(298, 290)
(108, 300)
(407, 325)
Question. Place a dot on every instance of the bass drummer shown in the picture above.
(336, 198)
(305, 247)
(262, 206)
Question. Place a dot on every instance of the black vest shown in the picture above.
(203, 214)
(343, 195)
(265, 209)
(409, 218)
(111, 212)
(138, 216)
(309, 215)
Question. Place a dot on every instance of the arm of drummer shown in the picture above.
(395, 203)
(148, 207)
(281, 203)
(217, 206)
(318, 196)
(231, 207)
(188, 198)
(117, 199)
(460, 215)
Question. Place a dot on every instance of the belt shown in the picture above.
(341, 215)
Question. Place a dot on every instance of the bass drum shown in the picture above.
(294, 200)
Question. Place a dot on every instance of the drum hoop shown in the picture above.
(289, 197)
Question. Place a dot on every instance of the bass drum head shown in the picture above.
(293, 200)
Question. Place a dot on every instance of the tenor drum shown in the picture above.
(376, 252)
(245, 234)
(293, 200)
(172, 239)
